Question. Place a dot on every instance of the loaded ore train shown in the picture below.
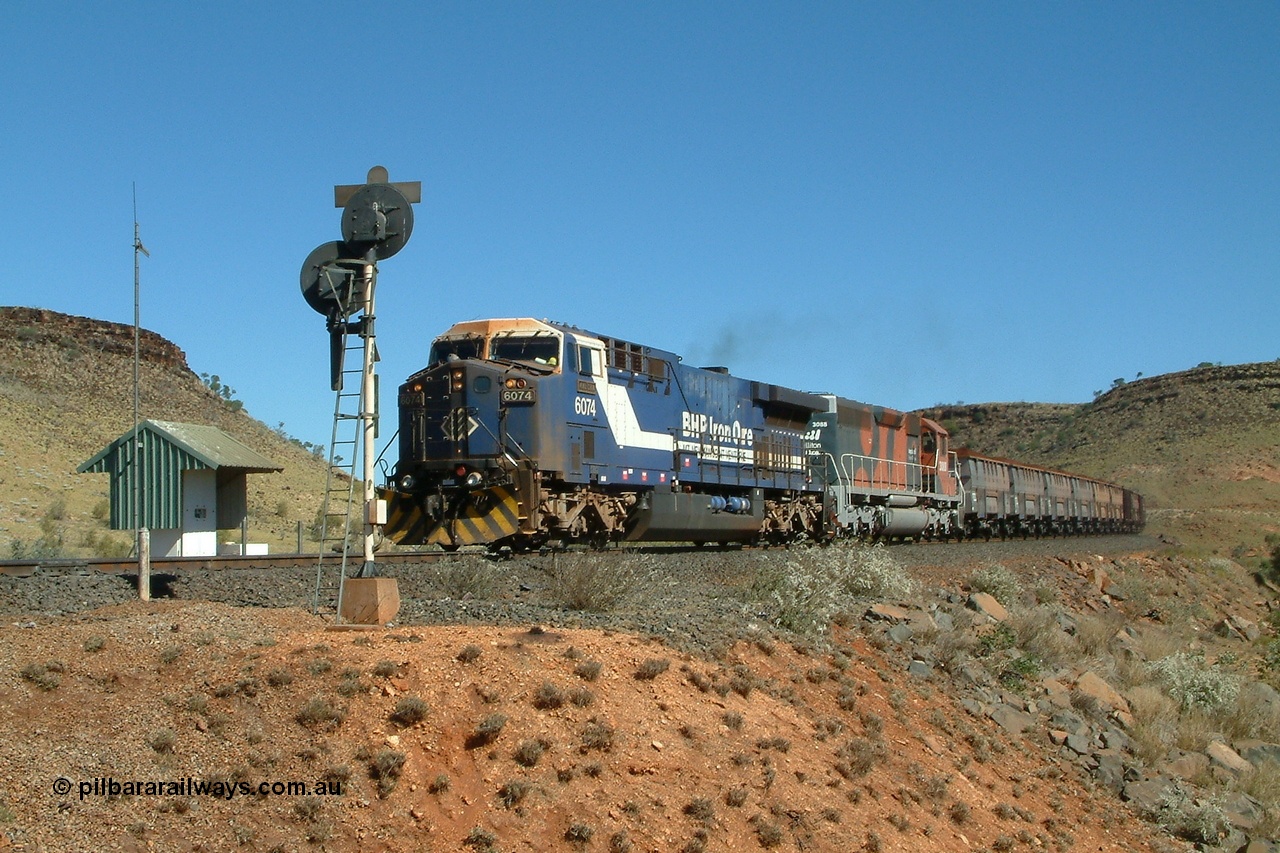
(525, 433)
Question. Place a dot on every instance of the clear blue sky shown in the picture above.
(903, 203)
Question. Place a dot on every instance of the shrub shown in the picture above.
(872, 572)
(337, 774)
(279, 677)
(549, 697)
(578, 833)
(588, 670)
(529, 751)
(319, 666)
(409, 711)
(95, 643)
(597, 583)
(440, 784)
(798, 591)
(1193, 684)
(42, 676)
(386, 668)
(651, 668)
(319, 713)
(480, 839)
(858, 757)
(385, 769)
(805, 591)
(1273, 570)
(1253, 715)
(998, 582)
(308, 808)
(163, 740)
(467, 576)
(351, 685)
(597, 735)
(488, 730)
(514, 791)
(769, 834)
(1198, 820)
(470, 654)
(700, 809)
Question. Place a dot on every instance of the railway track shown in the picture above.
(171, 565)
(919, 552)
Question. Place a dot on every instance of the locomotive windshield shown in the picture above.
(442, 350)
(540, 349)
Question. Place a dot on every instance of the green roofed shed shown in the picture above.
(192, 480)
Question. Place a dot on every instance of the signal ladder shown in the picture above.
(344, 446)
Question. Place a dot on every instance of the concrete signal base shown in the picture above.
(370, 601)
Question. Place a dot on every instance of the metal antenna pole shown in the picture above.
(144, 558)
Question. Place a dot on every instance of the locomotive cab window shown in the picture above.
(535, 350)
(588, 361)
(454, 349)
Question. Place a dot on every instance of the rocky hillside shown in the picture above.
(66, 391)
(1202, 445)
(498, 716)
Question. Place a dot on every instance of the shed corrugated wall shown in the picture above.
(161, 498)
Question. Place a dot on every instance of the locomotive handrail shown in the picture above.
(954, 470)
(826, 456)
(849, 460)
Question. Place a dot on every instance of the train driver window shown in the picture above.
(590, 361)
(453, 349)
(537, 349)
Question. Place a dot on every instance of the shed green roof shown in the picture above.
(146, 468)
(198, 446)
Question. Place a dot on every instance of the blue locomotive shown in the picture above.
(524, 433)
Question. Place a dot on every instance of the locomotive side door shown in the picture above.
(587, 418)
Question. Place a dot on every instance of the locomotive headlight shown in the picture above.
(457, 380)
(473, 480)
(407, 482)
(514, 382)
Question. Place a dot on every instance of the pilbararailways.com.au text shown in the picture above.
(109, 786)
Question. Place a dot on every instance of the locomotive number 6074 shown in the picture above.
(517, 395)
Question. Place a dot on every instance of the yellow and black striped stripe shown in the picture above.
(490, 515)
(406, 522)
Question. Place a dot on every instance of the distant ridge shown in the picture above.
(66, 391)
